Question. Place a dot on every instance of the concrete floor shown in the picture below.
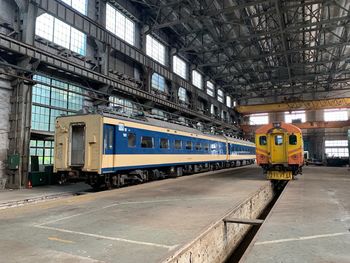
(309, 223)
(143, 223)
(9, 197)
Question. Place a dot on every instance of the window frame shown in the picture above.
(135, 140)
(198, 146)
(148, 137)
(197, 79)
(263, 137)
(259, 119)
(277, 137)
(155, 49)
(210, 88)
(180, 67)
(328, 114)
(176, 146)
(121, 29)
(182, 94)
(188, 145)
(161, 143)
(293, 142)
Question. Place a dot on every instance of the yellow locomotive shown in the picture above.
(279, 150)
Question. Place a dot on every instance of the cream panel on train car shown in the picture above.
(78, 143)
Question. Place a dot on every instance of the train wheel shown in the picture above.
(179, 171)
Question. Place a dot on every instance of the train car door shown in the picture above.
(109, 143)
(77, 157)
(228, 156)
(277, 148)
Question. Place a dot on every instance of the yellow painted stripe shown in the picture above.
(293, 153)
(61, 240)
(122, 160)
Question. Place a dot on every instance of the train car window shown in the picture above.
(131, 140)
(147, 142)
(110, 137)
(262, 140)
(293, 139)
(198, 146)
(206, 147)
(188, 145)
(178, 144)
(164, 143)
(278, 140)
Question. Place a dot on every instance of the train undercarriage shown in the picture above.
(124, 178)
(281, 171)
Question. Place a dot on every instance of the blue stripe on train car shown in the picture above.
(123, 168)
(116, 142)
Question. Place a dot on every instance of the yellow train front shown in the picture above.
(110, 151)
(279, 150)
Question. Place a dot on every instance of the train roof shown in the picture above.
(287, 126)
(168, 125)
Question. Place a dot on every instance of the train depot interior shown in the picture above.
(175, 131)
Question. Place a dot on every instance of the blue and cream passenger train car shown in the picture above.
(112, 150)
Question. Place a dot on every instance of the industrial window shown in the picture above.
(178, 144)
(147, 142)
(293, 139)
(122, 105)
(336, 143)
(206, 147)
(79, 5)
(262, 140)
(337, 152)
(120, 25)
(278, 140)
(158, 82)
(258, 119)
(182, 94)
(197, 79)
(188, 145)
(336, 148)
(131, 140)
(198, 146)
(155, 49)
(60, 33)
(43, 149)
(223, 115)
(210, 89)
(228, 101)
(48, 93)
(295, 117)
(164, 143)
(234, 103)
(44, 26)
(212, 109)
(336, 115)
(179, 67)
(220, 96)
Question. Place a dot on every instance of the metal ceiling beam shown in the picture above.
(309, 27)
(259, 57)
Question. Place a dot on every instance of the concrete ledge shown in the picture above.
(36, 199)
(217, 242)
